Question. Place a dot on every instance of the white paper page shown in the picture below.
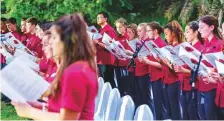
(191, 60)
(132, 43)
(92, 29)
(6, 54)
(220, 67)
(152, 47)
(190, 48)
(120, 49)
(28, 62)
(169, 53)
(219, 56)
(111, 48)
(17, 44)
(23, 80)
(144, 51)
(19, 52)
(94, 36)
(10, 92)
(107, 39)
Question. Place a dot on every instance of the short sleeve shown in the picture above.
(43, 65)
(74, 91)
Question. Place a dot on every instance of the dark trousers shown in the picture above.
(122, 76)
(132, 85)
(158, 99)
(107, 72)
(220, 113)
(143, 92)
(206, 105)
(3, 65)
(171, 94)
(189, 106)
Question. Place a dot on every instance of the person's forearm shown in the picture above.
(38, 114)
(187, 71)
(154, 64)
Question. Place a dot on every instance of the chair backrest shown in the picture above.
(143, 112)
(100, 87)
(112, 106)
(104, 96)
(126, 109)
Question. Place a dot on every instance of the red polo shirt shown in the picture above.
(219, 99)
(155, 73)
(103, 55)
(124, 42)
(3, 60)
(77, 91)
(169, 76)
(23, 38)
(43, 65)
(34, 45)
(51, 70)
(215, 45)
(16, 35)
(141, 68)
(185, 78)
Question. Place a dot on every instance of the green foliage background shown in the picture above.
(135, 11)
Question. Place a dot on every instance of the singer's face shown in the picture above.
(205, 30)
(47, 47)
(150, 32)
(131, 34)
(168, 35)
(23, 26)
(56, 43)
(141, 31)
(189, 34)
(120, 28)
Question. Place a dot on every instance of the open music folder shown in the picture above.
(20, 83)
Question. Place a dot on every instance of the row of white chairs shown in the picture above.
(110, 106)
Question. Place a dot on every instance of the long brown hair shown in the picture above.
(193, 25)
(212, 20)
(155, 26)
(133, 27)
(77, 45)
(175, 27)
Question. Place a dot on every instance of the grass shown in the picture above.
(8, 112)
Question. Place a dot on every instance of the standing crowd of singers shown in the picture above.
(66, 56)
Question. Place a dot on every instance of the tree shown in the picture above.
(186, 10)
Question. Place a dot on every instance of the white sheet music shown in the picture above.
(21, 83)
(107, 39)
(152, 47)
(22, 53)
(92, 29)
(94, 36)
(190, 48)
(220, 67)
(28, 62)
(6, 54)
(137, 43)
(117, 49)
(191, 60)
(219, 56)
(9, 39)
(171, 55)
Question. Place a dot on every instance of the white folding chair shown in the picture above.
(112, 106)
(100, 87)
(143, 112)
(104, 96)
(126, 110)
